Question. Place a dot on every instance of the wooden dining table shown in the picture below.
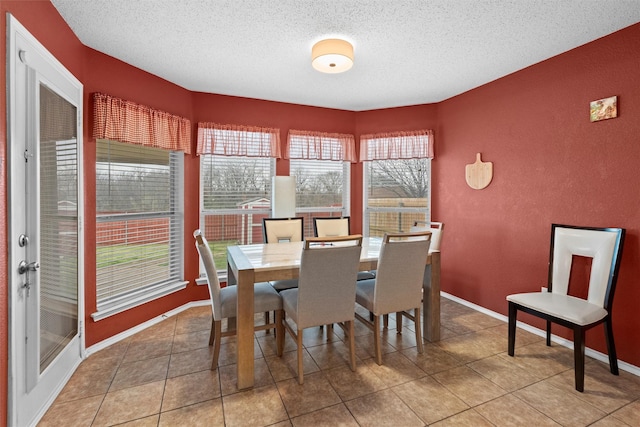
(249, 264)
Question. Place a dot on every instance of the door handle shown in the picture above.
(23, 267)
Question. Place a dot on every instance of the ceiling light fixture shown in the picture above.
(332, 56)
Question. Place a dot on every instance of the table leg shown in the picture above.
(245, 366)
(431, 299)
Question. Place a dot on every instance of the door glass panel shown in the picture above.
(58, 225)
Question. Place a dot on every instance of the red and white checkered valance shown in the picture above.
(397, 145)
(125, 121)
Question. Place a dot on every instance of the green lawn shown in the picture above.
(121, 254)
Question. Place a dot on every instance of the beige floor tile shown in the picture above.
(189, 389)
(433, 359)
(508, 410)
(190, 361)
(140, 372)
(197, 322)
(259, 406)
(151, 421)
(350, 385)
(504, 373)
(408, 389)
(429, 399)
(600, 394)
(80, 412)
(229, 377)
(285, 367)
(468, 385)
(382, 408)
(469, 418)
(330, 355)
(166, 328)
(522, 337)
(473, 346)
(204, 414)
(85, 383)
(316, 393)
(629, 414)
(562, 407)
(365, 348)
(609, 421)
(337, 415)
(130, 404)
(473, 321)
(191, 341)
(148, 349)
(542, 360)
(395, 369)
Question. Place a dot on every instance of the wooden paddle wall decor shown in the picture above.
(479, 174)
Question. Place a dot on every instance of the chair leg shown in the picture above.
(212, 335)
(279, 332)
(300, 364)
(548, 333)
(376, 339)
(352, 344)
(513, 312)
(398, 322)
(578, 356)
(416, 318)
(611, 346)
(216, 345)
(266, 321)
(385, 321)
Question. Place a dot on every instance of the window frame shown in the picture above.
(368, 210)
(174, 282)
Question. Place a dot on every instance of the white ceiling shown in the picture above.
(407, 52)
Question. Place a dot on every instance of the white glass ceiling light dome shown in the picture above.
(332, 56)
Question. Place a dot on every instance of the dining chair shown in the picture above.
(562, 304)
(397, 286)
(224, 302)
(279, 230)
(328, 226)
(436, 229)
(283, 230)
(326, 290)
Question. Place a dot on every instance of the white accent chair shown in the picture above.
(223, 302)
(331, 226)
(326, 290)
(283, 230)
(557, 305)
(397, 286)
(436, 229)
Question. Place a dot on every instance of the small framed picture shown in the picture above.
(605, 108)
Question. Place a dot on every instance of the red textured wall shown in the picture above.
(551, 164)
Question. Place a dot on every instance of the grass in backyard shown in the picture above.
(127, 254)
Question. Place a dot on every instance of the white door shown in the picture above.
(45, 227)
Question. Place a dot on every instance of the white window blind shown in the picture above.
(236, 195)
(322, 189)
(139, 221)
(396, 193)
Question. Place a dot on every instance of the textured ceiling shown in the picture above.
(407, 52)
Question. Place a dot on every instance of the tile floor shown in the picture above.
(161, 377)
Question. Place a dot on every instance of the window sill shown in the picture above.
(148, 295)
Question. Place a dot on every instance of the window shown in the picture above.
(236, 195)
(397, 181)
(139, 224)
(321, 165)
(236, 167)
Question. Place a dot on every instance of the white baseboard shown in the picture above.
(627, 367)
